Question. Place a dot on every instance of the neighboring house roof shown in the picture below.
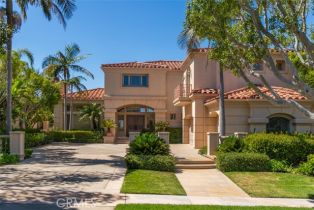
(161, 64)
(205, 91)
(249, 93)
(92, 94)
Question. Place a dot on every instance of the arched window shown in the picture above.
(277, 124)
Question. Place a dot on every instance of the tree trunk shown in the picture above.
(94, 124)
(71, 110)
(222, 121)
(9, 14)
(65, 111)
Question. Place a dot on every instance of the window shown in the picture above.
(258, 66)
(280, 64)
(135, 80)
(173, 116)
(278, 125)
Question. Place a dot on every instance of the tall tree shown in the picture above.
(62, 9)
(243, 32)
(75, 84)
(189, 40)
(61, 66)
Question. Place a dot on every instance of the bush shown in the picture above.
(75, 136)
(149, 144)
(231, 144)
(279, 166)
(234, 161)
(175, 135)
(292, 149)
(8, 159)
(150, 162)
(28, 153)
(35, 140)
(307, 168)
(161, 126)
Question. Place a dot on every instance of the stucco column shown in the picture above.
(212, 142)
(185, 130)
(198, 123)
(17, 143)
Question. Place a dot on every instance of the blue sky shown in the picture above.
(110, 30)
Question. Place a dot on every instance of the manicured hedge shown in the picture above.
(36, 139)
(234, 161)
(150, 162)
(293, 149)
(75, 136)
(307, 168)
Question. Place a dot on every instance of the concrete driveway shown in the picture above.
(65, 173)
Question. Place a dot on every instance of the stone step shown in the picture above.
(195, 166)
(121, 141)
(209, 161)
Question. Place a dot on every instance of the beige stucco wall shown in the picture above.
(158, 95)
(78, 124)
(252, 116)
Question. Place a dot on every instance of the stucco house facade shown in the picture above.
(185, 93)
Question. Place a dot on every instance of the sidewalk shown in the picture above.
(225, 201)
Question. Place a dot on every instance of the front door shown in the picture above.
(135, 123)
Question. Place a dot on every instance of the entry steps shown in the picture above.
(123, 140)
(195, 164)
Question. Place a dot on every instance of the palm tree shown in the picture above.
(61, 65)
(189, 40)
(75, 83)
(93, 112)
(63, 9)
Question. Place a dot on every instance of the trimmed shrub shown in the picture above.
(231, 144)
(150, 162)
(307, 168)
(175, 135)
(8, 159)
(28, 153)
(279, 166)
(75, 136)
(149, 144)
(35, 140)
(292, 149)
(234, 161)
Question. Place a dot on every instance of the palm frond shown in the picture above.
(188, 40)
(72, 51)
(81, 69)
(26, 53)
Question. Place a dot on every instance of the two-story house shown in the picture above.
(185, 94)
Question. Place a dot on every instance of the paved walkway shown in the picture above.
(208, 182)
(62, 171)
(186, 152)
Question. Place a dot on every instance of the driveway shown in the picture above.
(84, 174)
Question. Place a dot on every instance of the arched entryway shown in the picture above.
(134, 118)
(279, 123)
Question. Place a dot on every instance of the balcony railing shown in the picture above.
(182, 91)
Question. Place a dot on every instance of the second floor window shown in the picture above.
(135, 80)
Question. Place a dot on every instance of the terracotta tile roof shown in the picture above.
(205, 91)
(161, 64)
(249, 93)
(92, 94)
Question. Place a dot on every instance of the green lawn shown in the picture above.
(274, 185)
(195, 207)
(152, 182)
